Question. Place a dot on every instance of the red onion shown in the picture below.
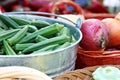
(95, 35)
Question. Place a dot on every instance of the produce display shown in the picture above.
(17, 36)
(110, 53)
(100, 43)
(102, 34)
(106, 73)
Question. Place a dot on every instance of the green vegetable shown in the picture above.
(40, 38)
(31, 28)
(2, 25)
(8, 49)
(20, 21)
(47, 48)
(20, 53)
(19, 35)
(46, 31)
(66, 44)
(8, 22)
(39, 24)
(1, 29)
(65, 31)
(73, 39)
(55, 40)
(22, 46)
(2, 51)
(7, 34)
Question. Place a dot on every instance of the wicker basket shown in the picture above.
(80, 74)
(93, 58)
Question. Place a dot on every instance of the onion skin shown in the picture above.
(117, 16)
(95, 35)
(113, 26)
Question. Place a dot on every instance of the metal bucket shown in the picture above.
(52, 63)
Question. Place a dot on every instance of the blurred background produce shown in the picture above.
(112, 5)
(89, 8)
(94, 6)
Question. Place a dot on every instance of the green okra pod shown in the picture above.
(65, 31)
(55, 40)
(40, 38)
(39, 24)
(46, 31)
(2, 25)
(31, 28)
(8, 22)
(47, 48)
(23, 46)
(19, 35)
(8, 49)
(20, 21)
(66, 44)
(8, 34)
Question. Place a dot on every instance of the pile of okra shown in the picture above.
(20, 36)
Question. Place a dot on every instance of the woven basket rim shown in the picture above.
(98, 54)
(81, 74)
